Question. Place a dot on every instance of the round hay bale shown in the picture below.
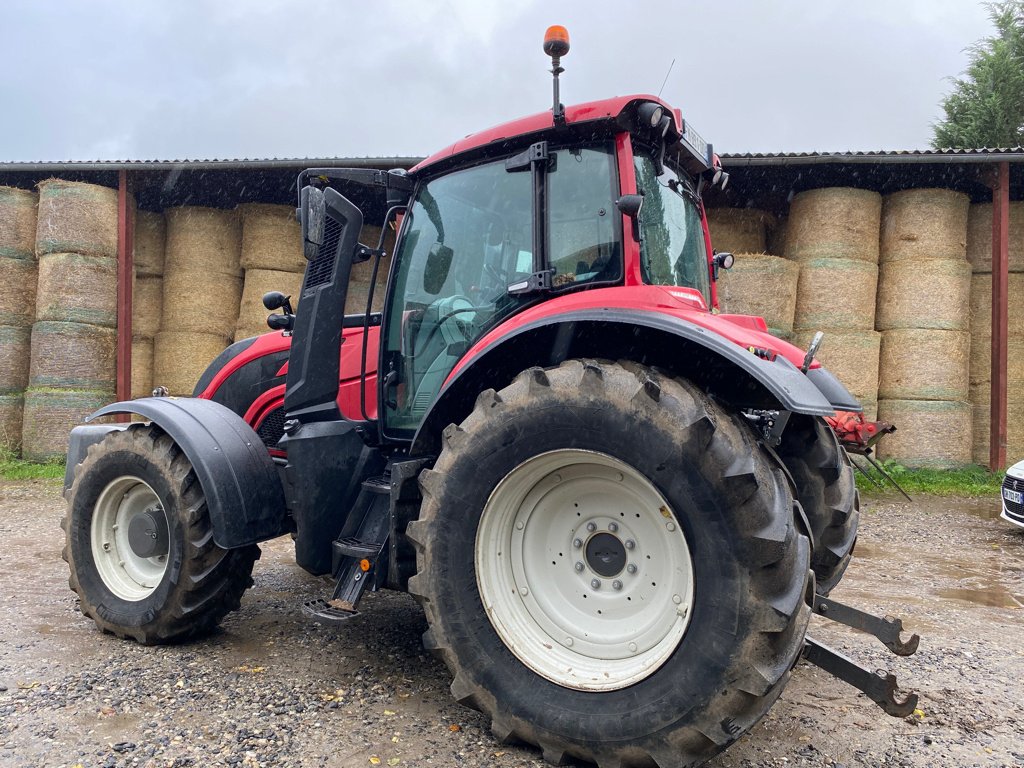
(836, 293)
(50, 415)
(980, 365)
(835, 223)
(358, 292)
(73, 356)
(12, 415)
(149, 237)
(252, 314)
(981, 305)
(18, 282)
(195, 300)
(929, 433)
(271, 238)
(777, 237)
(760, 285)
(851, 356)
(925, 293)
(18, 223)
(180, 357)
(980, 421)
(142, 366)
(739, 230)
(74, 288)
(924, 224)
(979, 237)
(925, 364)
(15, 346)
(207, 240)
(76, 218)
(147, 305)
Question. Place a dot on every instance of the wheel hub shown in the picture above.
(606, 555)
(147, 533)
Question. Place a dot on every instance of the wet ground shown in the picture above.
(273, 689)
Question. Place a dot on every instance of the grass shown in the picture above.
(967, 481)
(13, 468)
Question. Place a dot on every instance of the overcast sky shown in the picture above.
(109, 79)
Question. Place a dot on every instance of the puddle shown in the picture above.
(992, 598)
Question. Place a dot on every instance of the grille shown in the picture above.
(272, 428)
(1013, 509)
(319, 270)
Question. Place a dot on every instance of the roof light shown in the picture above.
(650, 113)
(556, 41)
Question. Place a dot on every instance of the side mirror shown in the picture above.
(812, 350)
(719, 261)
(312, 216)
(435, 271)
(630, 205)
(275, 300)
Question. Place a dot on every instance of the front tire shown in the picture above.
(140, 546)
(692, 647)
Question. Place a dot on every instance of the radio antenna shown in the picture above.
(666, 77)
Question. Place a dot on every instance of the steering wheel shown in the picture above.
(450, 325)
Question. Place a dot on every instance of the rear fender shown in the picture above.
(241, 483)
(720, 367)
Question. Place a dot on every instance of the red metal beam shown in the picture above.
(125, 270)
(1000, 283)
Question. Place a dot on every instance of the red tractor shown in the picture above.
(617, 508)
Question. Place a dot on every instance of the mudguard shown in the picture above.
(242, 485)
(653, 338)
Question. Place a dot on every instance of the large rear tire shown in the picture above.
(828, 493)
(140, 545)
(611, 567)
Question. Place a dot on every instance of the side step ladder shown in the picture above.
(355, 557)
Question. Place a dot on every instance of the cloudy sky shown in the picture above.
(142, 79)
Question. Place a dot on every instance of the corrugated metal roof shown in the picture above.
(210, 163)
(980, 155)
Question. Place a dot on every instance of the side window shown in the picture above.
(583, 238)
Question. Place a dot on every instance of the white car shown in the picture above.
(1013, 494)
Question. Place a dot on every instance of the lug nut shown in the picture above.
(630, 544)
(595, 583)
(616, 584)
(591, 527)
(577, 543)
(613, 527)
(631, 568)
(578, 567)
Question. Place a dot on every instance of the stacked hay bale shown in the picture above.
(761, 285)
(202, 290)
(739, 230)
(150, 236)
(17, 306)
(832, 233)
(979, 254)
(72, 366)
(923, 298)
(362, 274)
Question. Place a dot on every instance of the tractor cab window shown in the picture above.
(672, 249)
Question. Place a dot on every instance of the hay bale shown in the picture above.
(142, 366)
(924, 364)
(195, 300)
(207, 240)
(18, 223)
(12, 415)
(18, 281)
(149, 237)
(929, 433)
(835, 223)
(74, 288)
(76, 218)
(980, 365)
(836, 293)
(147, 305)
(73, 356)
(981, 306)
(271, 238)
(252, 315)
(739, 230)
(925, 293)
(851, 356)
(979, 237)
(980, 426)
(924, 224)
(180, 357)
(777, 237)
(760, 285)
(50, 415)
(15, 346)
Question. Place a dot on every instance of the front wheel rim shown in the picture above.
(126, 574)
(584, 570)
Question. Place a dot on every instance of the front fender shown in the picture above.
(241, 483)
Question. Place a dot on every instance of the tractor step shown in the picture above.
(881, 687)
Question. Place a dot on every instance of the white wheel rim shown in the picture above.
(126, 574)
(576, 626)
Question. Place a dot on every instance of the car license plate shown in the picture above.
(1015, 496)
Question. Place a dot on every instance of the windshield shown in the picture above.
(672, 248)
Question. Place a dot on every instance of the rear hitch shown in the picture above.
(887, 628)
(881, 687)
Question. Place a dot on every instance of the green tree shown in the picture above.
(986, 106)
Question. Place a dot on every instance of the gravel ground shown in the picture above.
(272, 689)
